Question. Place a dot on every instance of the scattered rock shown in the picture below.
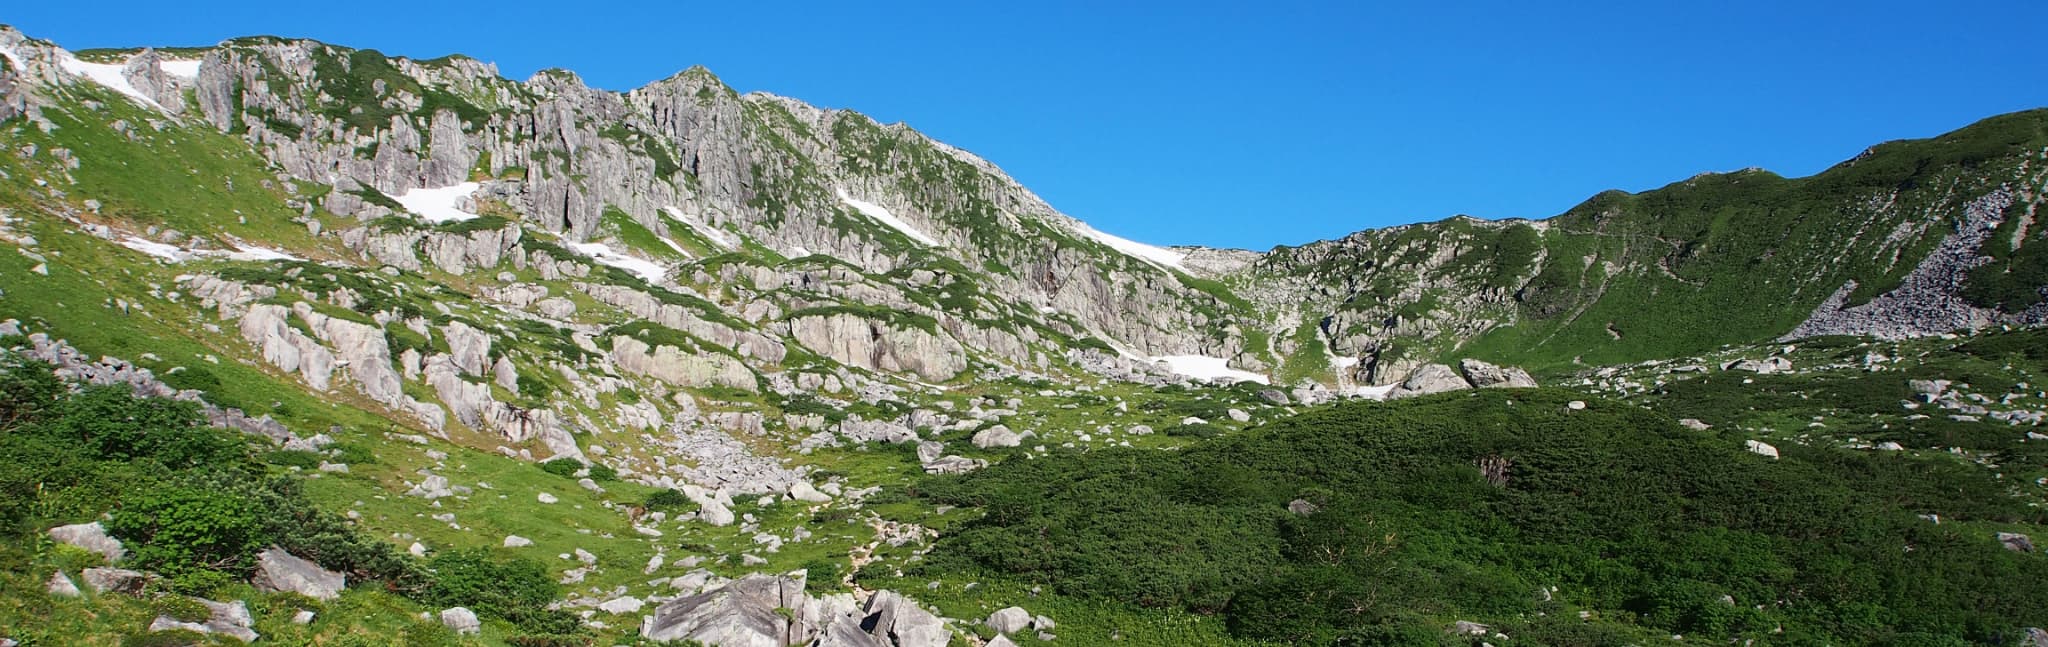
(60, 585)
(516, 541)
(1761, 448)
(2016, 542)
(92, 537)
(1009, 620)
(230, 619)
(462, 620)
(616, 606)
(1764, 366)
(1694, 424)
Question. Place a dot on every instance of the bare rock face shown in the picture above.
(879, 346)
(277, 570)
(1484, 375)
(283, 346)
(1431, 378)
(747, 343)
(892, 619)
(740, 614)
(681, 368)
(145, 72)
(13, 99)
(762, 610)
(470, 348)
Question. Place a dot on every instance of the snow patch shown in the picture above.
(881, 214)
(1163, 257)
(438, 205)
(188, 70)
(1376, 392)
(253, 253)
(710, 233)
(1209, 368)
(160, 250)
(676, 246)
(647, 270)
(107, 74)
(175, 254)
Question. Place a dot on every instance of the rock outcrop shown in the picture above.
(92, 537)
(773, 611)
(678, 367)
(880, 346)
(1430, 378)
(1487, 376)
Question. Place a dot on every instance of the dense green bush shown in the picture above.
(602, 473)
(292, 458)
(112, 424)
(1663, 529)
(670, 500)
(187, 499)
(168, 638)
(1193, 430)
(823, 573)
(177, 528)
(516, 589)
(564, 467)
(180, 608)
(550, 640)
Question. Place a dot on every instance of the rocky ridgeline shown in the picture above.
(684, 149)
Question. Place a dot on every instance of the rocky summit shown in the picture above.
(307, 344)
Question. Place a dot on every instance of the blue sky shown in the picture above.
(1256, 124)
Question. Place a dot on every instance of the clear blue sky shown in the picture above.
(1254, 124)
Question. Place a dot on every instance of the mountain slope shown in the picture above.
(1910, 238)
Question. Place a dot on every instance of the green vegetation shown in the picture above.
(638, 236)
(192, 505)
(1717, 259)
(1511, 509)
